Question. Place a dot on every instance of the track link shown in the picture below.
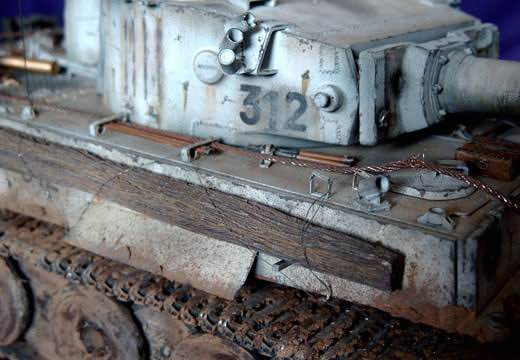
(268, 320)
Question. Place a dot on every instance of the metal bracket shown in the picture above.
(462, 133)
(96, 127)
(370, 192)
(265, 163)
(458, 165)
(437, 217)
(27, 113)
(231, 49)
(267, 150)
(269, 30)
(314, 185)
(282, 265)
(188, 153)
(247, 4)
(234, 58)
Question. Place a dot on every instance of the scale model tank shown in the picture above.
(317, 171)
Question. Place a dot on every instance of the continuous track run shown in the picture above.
(266, 320)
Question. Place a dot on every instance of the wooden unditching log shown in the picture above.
(206, 211)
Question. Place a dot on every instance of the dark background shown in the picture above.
(504, 13)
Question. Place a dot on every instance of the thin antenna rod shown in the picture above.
(26, 70)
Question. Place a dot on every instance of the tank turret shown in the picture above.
(256, 72)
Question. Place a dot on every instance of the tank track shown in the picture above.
(267, 320)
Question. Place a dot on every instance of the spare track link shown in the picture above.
(268, 320)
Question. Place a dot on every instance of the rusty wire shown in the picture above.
(477, 184)
(410, 163)
(179, 140)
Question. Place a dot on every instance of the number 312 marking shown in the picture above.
(255, 98)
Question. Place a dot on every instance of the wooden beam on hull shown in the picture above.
(206, 211)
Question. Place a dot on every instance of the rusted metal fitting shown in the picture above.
(32, 65)
(190, 153)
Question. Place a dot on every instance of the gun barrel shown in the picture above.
(473, 84)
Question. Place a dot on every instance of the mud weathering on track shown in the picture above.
(266, 320)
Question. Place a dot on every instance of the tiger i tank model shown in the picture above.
(294, 179)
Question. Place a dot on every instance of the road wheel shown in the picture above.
(14, 304)
(209, 347)
(72, 322)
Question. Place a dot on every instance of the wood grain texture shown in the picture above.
(206, 211)
(497, 159)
